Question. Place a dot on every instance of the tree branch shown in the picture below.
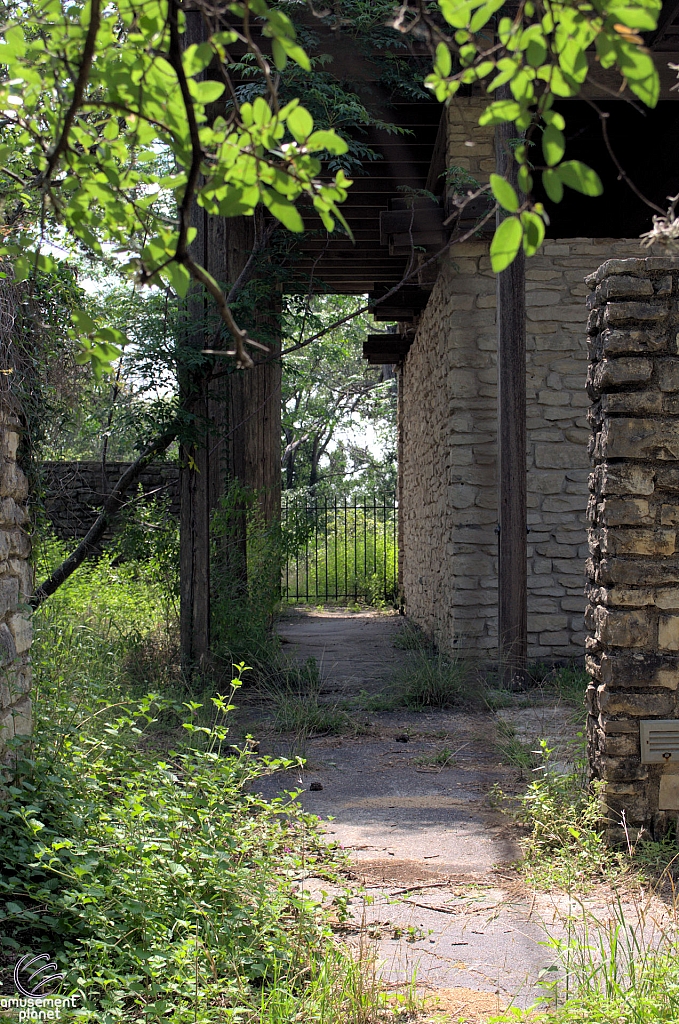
(182, 256)
(78, 91)
(111, 506)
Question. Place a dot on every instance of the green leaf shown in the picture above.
(83, 321)
(559, 83)
(111, 129)
(580, 177)
(206, 92)
(238, 200)
(484, 14)
(196, 58)
(555, 118)
(301, 123)
(22, 269)
(533, 232)
(506, 67)
(296, 53)
(638, 68)
(506, 243)
(553, 145)
(643, 16)
(280, 57)
(536, 53)
(113, 337)
(525, 180)
(499, 112)
(178, 277)
(443, 64)
(553, 186)
(225, 38)
(103, 350)
(456, 12)
(284, 211)
(15, 43)
(504, 193)
(328, 140)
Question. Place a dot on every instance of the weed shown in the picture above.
(620, 965)
(384, 700)
(512, 750)
(435, 681)
(162, 884)
(411, 638)
(442, 758)
(565, 843)
(568, 683)
(306, 717)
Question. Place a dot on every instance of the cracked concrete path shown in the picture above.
(438, 894)
(353, 650)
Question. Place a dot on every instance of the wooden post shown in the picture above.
(511, 423)
(194, 462)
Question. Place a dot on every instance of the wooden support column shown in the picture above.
(511, 440)
(194, 462)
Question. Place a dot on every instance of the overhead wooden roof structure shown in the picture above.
(415, 160)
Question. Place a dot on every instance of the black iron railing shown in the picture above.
(340, 551)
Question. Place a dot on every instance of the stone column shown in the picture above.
(632, 616)
(16, 585)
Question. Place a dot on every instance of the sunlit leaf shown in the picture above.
(580, 177)
(504, 193)
(533, 232)
(553, 185)
(506, 244)
(300, 123)
(553, 145)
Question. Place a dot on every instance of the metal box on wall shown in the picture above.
(659, 741)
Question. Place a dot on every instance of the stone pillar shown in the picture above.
(16, 585)
(632, 616)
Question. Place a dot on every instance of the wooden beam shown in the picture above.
(386, 348)
(511, 442)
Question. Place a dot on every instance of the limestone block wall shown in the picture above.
(633, 611)
(449, 436)
(73, 492)
(16, 585)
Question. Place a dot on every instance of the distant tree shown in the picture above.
(331, 396)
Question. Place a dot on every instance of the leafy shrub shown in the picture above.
(245, 576)
(161, 880)
(163, 885)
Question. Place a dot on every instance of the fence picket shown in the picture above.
(339, 551)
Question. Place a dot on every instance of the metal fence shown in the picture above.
(340, 551)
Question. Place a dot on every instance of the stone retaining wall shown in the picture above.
(16, 586)
(633, 571)
(449, 434)
(73, 492)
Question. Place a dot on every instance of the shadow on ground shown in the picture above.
(431, 856)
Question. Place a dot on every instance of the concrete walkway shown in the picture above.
(434, 856)
(354, 650)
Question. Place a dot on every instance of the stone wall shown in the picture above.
(16, 585)
(449, 430)
(633, 571)
(73, 492)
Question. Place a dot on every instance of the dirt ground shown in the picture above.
(433, 858)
